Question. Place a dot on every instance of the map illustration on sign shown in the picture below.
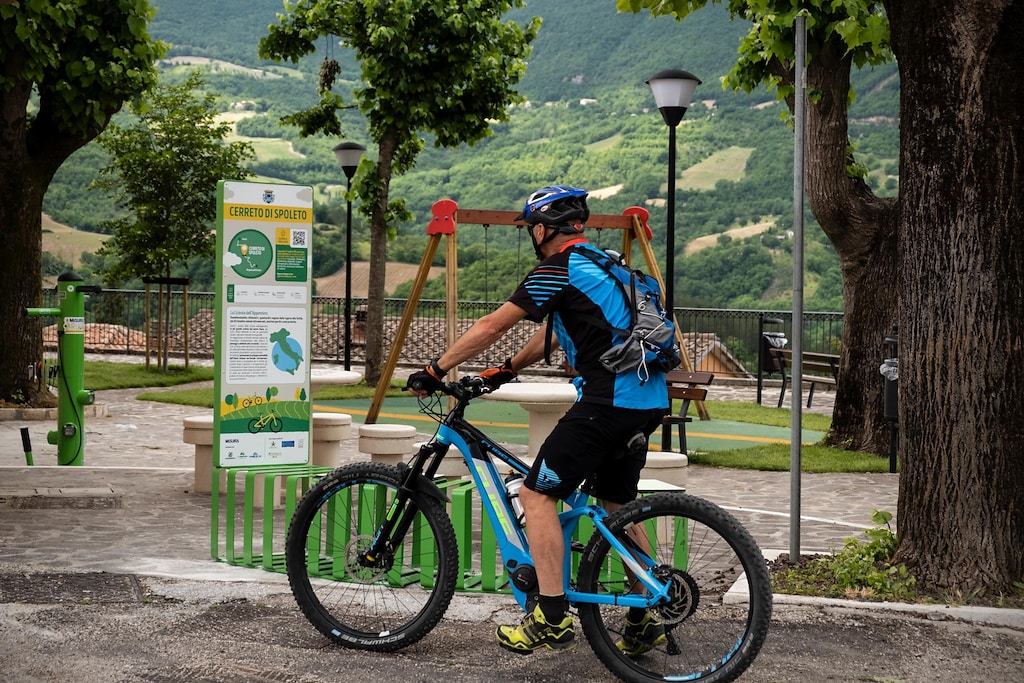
(287, 353)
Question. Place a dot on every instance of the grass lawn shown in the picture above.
(108, 375)
(202, 397)
(776, 458)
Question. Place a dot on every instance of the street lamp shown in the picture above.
(672, 89)
(348, 155)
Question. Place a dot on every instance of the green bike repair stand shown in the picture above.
(69, 437)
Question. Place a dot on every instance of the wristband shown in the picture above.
(434, 369)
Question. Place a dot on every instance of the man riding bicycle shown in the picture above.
(603, 436)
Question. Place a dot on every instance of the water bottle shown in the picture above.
(514, 482)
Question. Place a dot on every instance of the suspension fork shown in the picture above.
(399, 516)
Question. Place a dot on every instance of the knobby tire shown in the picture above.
(719, 616)
(382, 608)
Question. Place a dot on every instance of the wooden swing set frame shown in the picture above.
(446, 216)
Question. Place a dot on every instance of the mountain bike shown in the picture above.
(268, 421)
(372, 557)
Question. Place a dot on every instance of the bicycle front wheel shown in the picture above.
(720, 598)
(397, 600)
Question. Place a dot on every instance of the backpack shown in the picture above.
(650, 341)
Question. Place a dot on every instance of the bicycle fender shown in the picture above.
(425, 486)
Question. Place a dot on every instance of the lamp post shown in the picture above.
(672, 89)
(348, 155)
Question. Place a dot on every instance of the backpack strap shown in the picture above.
(610, 266)
(547, 338)
(622, 275)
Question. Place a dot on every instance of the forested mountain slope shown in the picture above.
(589, 120)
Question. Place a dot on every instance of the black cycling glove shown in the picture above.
(429, 379)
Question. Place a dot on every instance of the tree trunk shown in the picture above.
(862, 228)
(378, 262)
(21, 337)
(27, 163)
(961, 512)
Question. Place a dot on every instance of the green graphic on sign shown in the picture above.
(253, 251)
(291, 264)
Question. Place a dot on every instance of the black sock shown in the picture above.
(636, 614)
(553, 608)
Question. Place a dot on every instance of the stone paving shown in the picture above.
(137, 483)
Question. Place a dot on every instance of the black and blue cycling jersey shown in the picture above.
(575, 289)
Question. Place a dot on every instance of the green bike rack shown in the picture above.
(250, 534)
(69, 437)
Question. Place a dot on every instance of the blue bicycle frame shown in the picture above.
(480, 453)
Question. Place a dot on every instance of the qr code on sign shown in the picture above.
(299, 238)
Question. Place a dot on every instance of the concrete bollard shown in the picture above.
(329, 430)
(666, 466)
(198, 430)
(387, 443)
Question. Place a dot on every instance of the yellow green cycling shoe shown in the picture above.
(642, 636)
(534, 633)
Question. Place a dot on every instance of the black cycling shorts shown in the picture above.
(591, 439)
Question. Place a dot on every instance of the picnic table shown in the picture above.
(545, 403)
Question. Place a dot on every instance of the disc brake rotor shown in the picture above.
(684, 596)
(356, 568)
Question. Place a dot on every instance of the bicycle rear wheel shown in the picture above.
(391, 604)
(721, 599)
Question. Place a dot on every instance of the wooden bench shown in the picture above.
(818, 368)
(685, 386)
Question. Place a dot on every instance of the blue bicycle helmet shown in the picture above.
(560, 207)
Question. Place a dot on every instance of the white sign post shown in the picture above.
(264, 274)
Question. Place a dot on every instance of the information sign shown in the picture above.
(264, 261)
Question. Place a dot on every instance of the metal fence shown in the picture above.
(727, 342)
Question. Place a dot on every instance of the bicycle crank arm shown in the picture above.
(672, 647)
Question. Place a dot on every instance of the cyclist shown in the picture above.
(603, 435)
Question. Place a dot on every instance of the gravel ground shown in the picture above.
(108, 627)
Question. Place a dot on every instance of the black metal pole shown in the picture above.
(348, 281)
(670, 226)
(760, 353)
(894, 442)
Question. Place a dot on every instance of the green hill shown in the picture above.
(590, 121)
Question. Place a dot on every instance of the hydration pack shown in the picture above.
(650, 341)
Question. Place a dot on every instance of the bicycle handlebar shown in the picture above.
(464, 389)
(472, 387)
